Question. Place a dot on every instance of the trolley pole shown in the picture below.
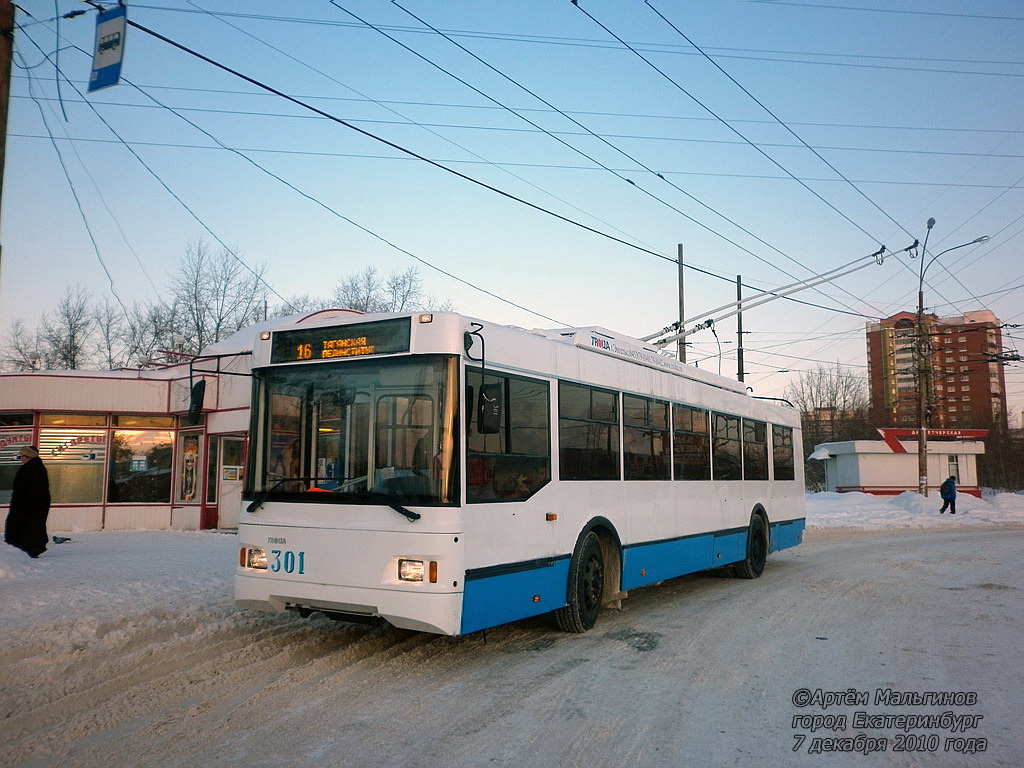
(681, 343)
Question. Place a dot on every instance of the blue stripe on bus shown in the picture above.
(787, 534)
(499, 594)
(644, 564)
(515, 594)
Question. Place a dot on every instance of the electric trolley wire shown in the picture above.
(628, 156)
(300, 192)
(724, 122)
(418, 156)
(777, 119)
(406, 120)
(78, 201)
(747, 54)
(345, 218)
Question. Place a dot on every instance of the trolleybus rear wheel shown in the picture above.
(757, 550)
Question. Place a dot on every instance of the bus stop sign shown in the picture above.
(109, 50)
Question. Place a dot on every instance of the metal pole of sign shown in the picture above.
(681, 345)
(739, 328)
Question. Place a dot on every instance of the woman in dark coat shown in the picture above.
(30, 504)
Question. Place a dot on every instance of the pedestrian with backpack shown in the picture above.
(948, 493)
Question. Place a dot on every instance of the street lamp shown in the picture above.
(924, 356)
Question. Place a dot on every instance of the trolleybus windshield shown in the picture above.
(376, 431)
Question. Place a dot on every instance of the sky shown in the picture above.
(537, 161)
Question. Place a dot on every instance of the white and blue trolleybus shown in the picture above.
(447, 474)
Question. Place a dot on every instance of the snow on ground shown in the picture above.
(124, 648)
(911, 510)
(100, 575)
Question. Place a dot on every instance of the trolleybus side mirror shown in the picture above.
(195, 401)
(488, 420)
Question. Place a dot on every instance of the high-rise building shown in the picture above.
(964, 382)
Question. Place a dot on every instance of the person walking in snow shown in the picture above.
(30, 504)
(948, 493)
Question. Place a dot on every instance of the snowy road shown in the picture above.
(700, 671)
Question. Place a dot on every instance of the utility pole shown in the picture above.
(924, 362)
(739, 328)
(6, 53)
(681, 344)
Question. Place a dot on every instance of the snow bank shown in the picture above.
(910, 510)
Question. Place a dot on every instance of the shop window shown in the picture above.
(140, 466)
(211, 473)
(73, 420)
(15, 419)
(75, 460)
(142, 422)
(11, 441)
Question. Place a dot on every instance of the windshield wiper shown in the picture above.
(379, 497)
(388, 501)
(264, 495)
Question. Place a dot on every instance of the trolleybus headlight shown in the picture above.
(253, 557)
(410, 570)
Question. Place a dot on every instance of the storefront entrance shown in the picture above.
(225, 478)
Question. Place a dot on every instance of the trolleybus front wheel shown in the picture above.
(585, 589)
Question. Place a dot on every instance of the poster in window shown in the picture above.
(189, 465)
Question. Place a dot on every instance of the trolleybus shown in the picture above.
(446, 474)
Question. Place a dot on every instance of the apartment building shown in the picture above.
(964, 382)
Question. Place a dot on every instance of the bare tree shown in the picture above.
(68, 332)
(22, 348)
(113, 342)
(298, 304)
(214, 296)
(833, 403)
(210, 298)
(368, 291)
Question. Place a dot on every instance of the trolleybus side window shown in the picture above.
(727, 454)
(692, 443)
(515, 462)
(755, 450)
(645, 439)
(782, 453)
(588, 433)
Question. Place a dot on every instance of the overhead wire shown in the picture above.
(724, 122)
(78, 202)
(727, 52)
(295, 189)
(631, 158)
(407, 121)
(666, 259)
(776, 118)
(402, 149)
(98, 191)
(783, 124)
(349, 220)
